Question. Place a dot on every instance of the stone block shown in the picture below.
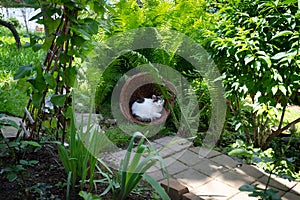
(190, 196)
(174, 189)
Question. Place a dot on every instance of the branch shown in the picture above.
(277, 132)
(13, 30)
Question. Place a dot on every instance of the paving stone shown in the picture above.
(279, 183)
(176, 167)
(166, 152)
(189, 158)
(225, 161)
(156, 175)
(165, 140)
(235, 180)
(174, 189)
(250, 170)
(209, 168)
(192, 178)
(9, 131)
(114, 159)
(215, 190)
(296, 189)
(205, 152)
(290, 196)
(242, 196)
(190, 196)
(174, 142)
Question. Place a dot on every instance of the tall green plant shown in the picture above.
(77, 160)
(256, 45)
(132, 171)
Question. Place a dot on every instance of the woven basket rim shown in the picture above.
(138, 82)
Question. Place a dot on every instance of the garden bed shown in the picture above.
(47, 179)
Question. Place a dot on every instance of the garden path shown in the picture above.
(207, 173)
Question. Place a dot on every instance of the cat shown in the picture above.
(148, 109)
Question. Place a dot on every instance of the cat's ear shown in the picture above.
(153, 97)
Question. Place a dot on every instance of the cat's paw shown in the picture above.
(157, 115)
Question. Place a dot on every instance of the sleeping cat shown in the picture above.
(148, 109)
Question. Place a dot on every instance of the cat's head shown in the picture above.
(158, 101)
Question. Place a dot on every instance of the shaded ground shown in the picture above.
(44, 180)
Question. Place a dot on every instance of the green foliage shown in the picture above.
(15, 22)
(15, 150)
(185, 16)
(264, 194)
(257, 41)
(13, 96)
(132, 171)
(88, 196)
(78, 162)
(279, 160)
(138, 159)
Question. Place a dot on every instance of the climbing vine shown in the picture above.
(70, 31)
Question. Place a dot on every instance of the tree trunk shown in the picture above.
(11, 27)
(24, 14)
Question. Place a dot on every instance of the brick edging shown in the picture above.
(177, 191)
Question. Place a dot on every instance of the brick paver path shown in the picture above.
(213, 175)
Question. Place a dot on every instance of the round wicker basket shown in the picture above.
(143, 85)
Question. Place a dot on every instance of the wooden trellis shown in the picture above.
(56, 60)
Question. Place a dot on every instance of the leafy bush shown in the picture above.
(254, 44)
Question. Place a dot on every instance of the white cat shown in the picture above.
(148, 109)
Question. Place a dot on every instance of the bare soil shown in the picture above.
(45, 180)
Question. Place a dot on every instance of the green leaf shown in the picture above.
(282, 89)
(160, 190)
(50, 80)
(71, 73)
(279, 56)
(248, 59)
(274, 90)
(37, 99)
(36, 47)
(8, 122)
(38, 82)
(77, 40)
(247, 188)
(277, 76)
(23, 71)
(12, 177)
(239, 152)
(31, 143)
(58, 100)
(282, 33)
(84, 34)
(48, 42)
